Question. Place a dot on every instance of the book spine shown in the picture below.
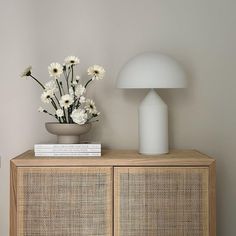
(72, 150)
(41, 146)
(67, 154)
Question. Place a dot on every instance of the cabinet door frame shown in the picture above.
(210, 204)
(16, 224)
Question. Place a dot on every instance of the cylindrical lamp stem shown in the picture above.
(153, 125)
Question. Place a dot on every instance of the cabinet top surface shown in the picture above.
(118, 158)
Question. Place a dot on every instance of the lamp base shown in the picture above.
(153, 125)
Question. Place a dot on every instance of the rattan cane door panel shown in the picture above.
(161, 201)
(64, 201)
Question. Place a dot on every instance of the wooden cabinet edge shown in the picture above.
(13, 199)
(22, 155)
(212, 198)
(117, 158)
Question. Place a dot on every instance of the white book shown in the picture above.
(72, 150)
(68, 146)
(68, 154)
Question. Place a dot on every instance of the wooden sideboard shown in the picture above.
(121, 193)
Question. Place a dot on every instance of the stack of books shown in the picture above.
(75, 150)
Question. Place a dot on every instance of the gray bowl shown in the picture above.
(67, 133)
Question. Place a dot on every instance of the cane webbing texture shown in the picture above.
(161, 201)
(64, 201)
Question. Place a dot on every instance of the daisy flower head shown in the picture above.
(79, 116)
(55, 70)
(59, 112)
(96, 71)
(26, 72)
(79, 90)
(51, 85)
(47, 96)
(71, 60)
(90, 106)
(66, 100)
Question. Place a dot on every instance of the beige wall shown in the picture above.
(201, 34)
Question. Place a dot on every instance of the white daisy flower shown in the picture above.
(96, 71)
(79, 90)
(40, 109)
(77, 77)
(26, 72)
(82, 99)
(51, 85)
(59, 112)
(66, 100)
(79, 116)
(71, 60)
(75, 82)
(55, 70)
(47, 96)
(90, 106)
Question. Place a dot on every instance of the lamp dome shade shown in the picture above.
(152, 70)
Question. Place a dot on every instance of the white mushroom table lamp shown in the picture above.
(152, 70)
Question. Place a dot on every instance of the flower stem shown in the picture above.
(65, 115)
(37, 81)
(67, 79)
(63, 118)
(72, 74)
(88, 83)
(55, 116)
(54, 104)
(57, 100)
(69, 113)
(66, 76)
(78, 104)
(62, 88)
(59, 87)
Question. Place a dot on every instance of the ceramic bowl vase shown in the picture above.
(67, 133)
